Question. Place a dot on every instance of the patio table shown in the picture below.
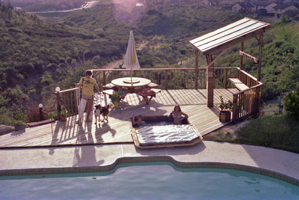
(131, 87)
(137, 84)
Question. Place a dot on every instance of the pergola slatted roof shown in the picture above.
(221, 40)
(229, 35)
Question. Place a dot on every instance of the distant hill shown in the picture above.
(49, 5)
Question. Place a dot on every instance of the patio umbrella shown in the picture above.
(131, 59)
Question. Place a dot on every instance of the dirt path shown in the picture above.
(117, 63)
(114, 64)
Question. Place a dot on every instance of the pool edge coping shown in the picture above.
(65, 170)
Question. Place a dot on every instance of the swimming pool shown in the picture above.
(157, 180)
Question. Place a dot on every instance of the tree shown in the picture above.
(292, 103)
(9, 13)
(9, 5)
(284, 19)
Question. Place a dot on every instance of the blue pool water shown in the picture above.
(149, 181)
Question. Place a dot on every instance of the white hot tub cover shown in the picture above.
(165, 134)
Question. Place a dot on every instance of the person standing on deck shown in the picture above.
(87, 84)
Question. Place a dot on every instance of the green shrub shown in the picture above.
(21, 117)
(5, 116)
(291, 103)
(276, 131)
(18, 122)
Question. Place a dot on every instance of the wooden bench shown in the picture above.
(239, 85)
(151, 95)
(109, 86)
(152, 85)
(108, 92)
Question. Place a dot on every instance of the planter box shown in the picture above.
(20, 127)
(225, 116)
(62, 118)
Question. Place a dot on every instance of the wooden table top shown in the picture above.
(126, 82)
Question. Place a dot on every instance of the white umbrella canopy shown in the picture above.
(131, 59)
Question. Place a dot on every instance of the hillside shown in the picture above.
(36, 57)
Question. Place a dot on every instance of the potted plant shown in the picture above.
(19, 124)
(19, 121)
(63, 114)
(226, 108)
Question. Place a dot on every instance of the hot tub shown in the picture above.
(160, 131)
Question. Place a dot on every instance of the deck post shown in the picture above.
(241, 56)
(58, 105)
(210, 80)
(257, 101)
(104, 78)
(260, 57)
(235, 108)
(225, 78)
(196, 69)
(166, 80)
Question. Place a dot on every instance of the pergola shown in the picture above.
(224, 38)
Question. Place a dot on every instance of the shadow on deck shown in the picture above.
(118, 130)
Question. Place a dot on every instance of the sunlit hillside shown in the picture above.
(37, 56)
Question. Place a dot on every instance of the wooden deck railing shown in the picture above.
(170, 78)
(245, 103)
(68, 100)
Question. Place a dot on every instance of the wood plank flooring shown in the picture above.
(118, 130)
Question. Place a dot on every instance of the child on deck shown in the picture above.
(139, 121)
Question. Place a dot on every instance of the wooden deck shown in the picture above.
(118, 130)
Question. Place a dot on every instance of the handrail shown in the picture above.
(67, 90)
(260, 84)
(166, 77)
(144, 69)
(159, 69)
(247, 74)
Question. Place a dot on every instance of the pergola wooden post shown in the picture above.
(196, 68)
(260, 57)
(241, 57)
(224, 38)
(210, 81)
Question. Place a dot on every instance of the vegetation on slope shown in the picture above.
(36, 57)
(275, 131)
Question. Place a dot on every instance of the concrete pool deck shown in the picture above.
(277, 163)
